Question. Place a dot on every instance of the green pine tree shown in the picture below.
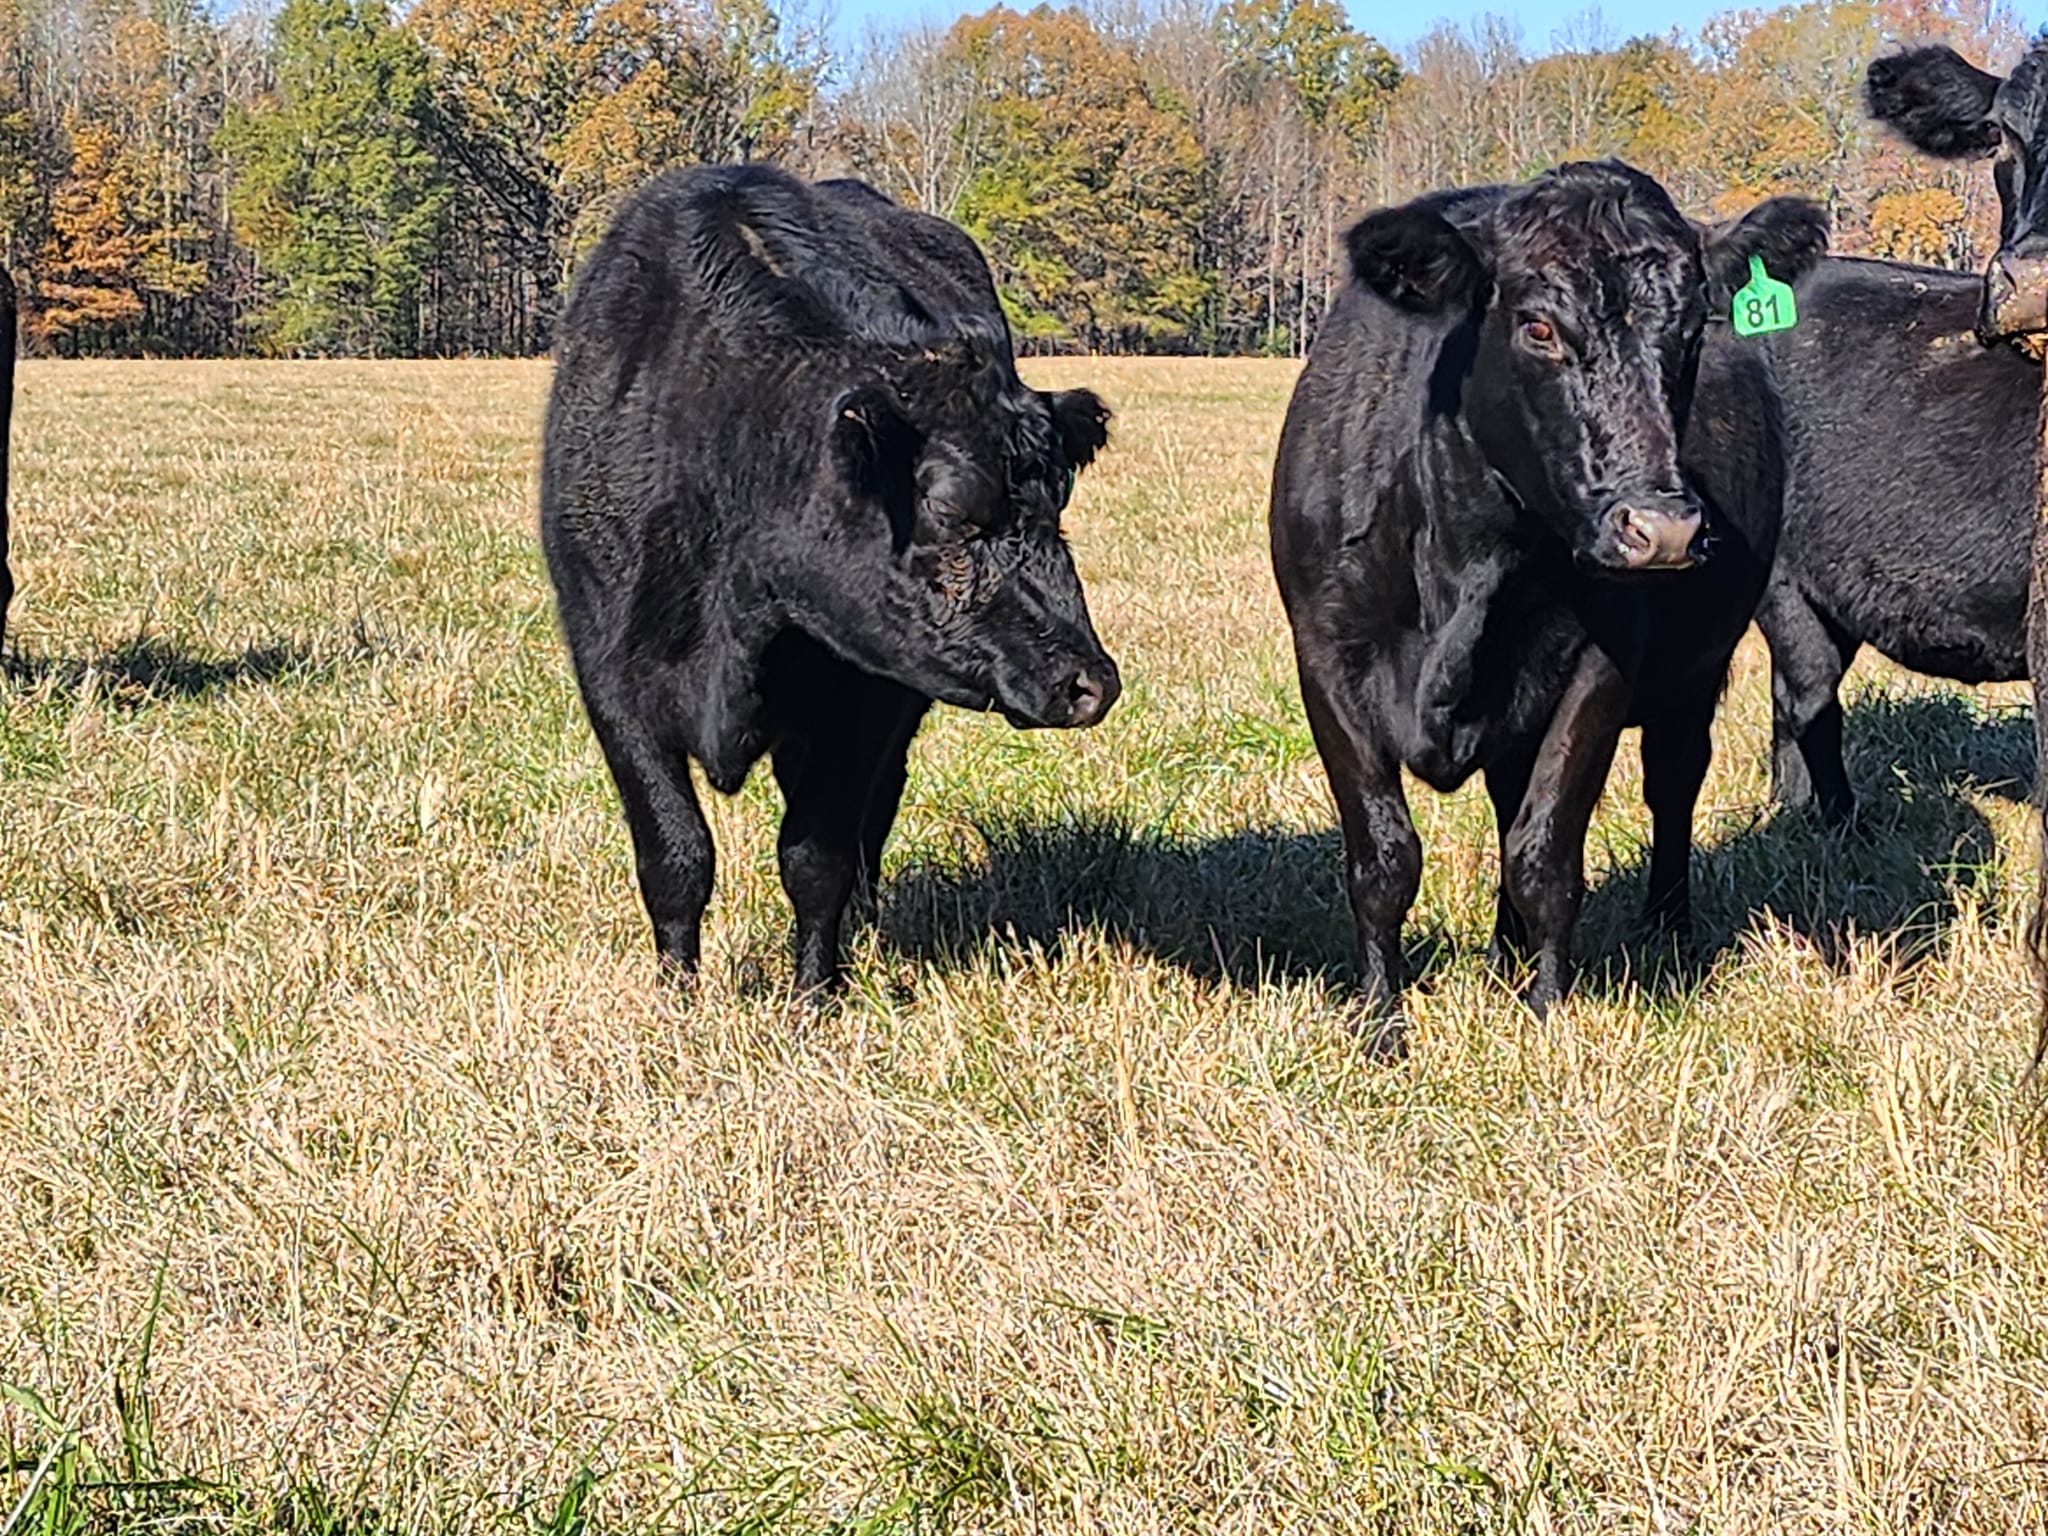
(334, 187)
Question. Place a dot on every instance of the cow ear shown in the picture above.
(873, 447)
(1934, 99)
(1790, 233)
(1413, 258)
(1082, 422)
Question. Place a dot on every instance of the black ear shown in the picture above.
(1790, 233)
(1412, 257)
(1082, 422)
(1934, 99)
(873, 447)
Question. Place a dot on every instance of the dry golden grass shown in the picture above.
(358, 1176)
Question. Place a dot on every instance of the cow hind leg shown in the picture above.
(1809, 657)
(1382, 854)
(1677, 748)
(1544, 856)
(672, 850)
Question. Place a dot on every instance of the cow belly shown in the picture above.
(1969, 636)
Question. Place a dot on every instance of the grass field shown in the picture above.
(357, 1176)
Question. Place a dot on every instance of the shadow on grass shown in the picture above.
(152, 670)
(1262, 905)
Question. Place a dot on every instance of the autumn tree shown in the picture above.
(1086, 186)
(548, 111)
(107, 250)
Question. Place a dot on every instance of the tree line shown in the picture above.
(346, 177)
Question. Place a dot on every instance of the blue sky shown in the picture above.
(1396, 26)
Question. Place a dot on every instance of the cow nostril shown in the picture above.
(1632, 527)
(1088, 697)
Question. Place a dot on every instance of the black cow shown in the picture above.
(1908, 507)
(1941, 103)
(793, 491)
(1910, 503)
(6, 423)
(1492, 489)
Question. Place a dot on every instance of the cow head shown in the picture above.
(1941, 103)
(1582, 296)
(945, 478)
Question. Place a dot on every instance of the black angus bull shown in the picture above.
(6, 423)
(1492, 493)
(792, 492)
(1909, 505)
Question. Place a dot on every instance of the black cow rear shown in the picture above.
(793, 491)
(1487, 529)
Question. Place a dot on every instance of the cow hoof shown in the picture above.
(1382, 1033)
(678, 976)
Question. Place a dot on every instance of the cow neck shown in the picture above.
(1475, 543)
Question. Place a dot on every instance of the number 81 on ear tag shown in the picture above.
(1763, 303)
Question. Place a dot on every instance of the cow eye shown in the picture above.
(1540, 335)
(963, 521)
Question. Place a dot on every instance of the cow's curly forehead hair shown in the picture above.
(947, 377)
(1590, 209)
(963, 384)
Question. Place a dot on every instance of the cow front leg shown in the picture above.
(672, 851)
(886, 795)
(1677, 747)
(1809, 658)
(1382, 854)
(829, 781)
(1507, 786)
(1544, 858)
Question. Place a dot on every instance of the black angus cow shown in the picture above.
(792, 492)
(1941, 103)
(6, 423)
(1909, 507)
(1909, 503)
(1492, 492)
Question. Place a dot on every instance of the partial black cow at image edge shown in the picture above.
(1911, 422)
(1518, 507)
(7, 328)
(792, 492)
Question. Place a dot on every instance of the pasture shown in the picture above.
(357, 1175)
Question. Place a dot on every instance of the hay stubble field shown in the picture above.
(357, 1174)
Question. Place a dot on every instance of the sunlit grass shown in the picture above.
(358, 1175)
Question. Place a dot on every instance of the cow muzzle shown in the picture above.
(1651, 534)
(1076, 700)
(2015, 297)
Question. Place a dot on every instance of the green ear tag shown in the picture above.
(1763, 303)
